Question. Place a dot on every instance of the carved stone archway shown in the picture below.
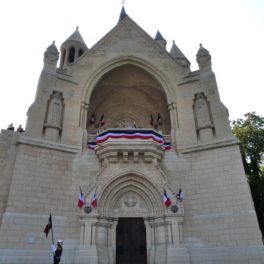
(131, 195)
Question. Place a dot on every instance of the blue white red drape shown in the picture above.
(129, 134)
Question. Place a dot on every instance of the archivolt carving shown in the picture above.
(112, 192)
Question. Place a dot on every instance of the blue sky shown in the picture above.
(232, 30)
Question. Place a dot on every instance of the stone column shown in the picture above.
(102, 240)
(87, 252)
(174, 123)
(160, 244)
(149, 238)
(83, 122)
(176, 249)
(112, 238)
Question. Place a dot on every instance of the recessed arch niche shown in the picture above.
(135, 184)
(127, 96)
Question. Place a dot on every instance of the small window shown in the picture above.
(80, 53)
(71, 55)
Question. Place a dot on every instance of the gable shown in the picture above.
(127, 38)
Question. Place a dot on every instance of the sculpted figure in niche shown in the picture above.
(201, 110)
(55, 110)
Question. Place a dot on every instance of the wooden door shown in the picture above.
(131, 241)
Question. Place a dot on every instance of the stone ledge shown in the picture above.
(49, 145)
(207, 146)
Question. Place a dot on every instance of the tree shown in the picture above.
(250, 132)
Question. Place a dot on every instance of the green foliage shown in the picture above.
(250, 132)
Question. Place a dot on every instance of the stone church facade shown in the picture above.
(153, 126)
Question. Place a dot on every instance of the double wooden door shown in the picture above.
(131, 241)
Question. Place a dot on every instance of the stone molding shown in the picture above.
(207, 146)
(110, 150)
(48, 145)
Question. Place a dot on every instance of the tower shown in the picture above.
(130, 124)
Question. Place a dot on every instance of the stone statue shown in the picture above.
(201, 110)
(55, 110)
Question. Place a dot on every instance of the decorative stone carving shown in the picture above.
(54, 116)
(55, 110)
(202, 115)
(130, 200)
(125, 122)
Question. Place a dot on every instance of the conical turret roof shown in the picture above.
(52, 48)
(176, 52)
(75, 36)
(202, 52)
(158, 36)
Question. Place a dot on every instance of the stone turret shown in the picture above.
(203, 59)
(160, 40)
(72, 48)
(51, 57)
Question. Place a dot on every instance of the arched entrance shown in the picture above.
(131, 245)
(125, 96)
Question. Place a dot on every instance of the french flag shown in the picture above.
(94, 200)
(81, 200)
(179, 195)
(166, 199)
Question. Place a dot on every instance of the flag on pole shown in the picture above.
(81, 199)
(94, 200)
(92, 120)
(102, 121)
(151, 120)
(179, 195)
(166, 199)
(159, 121)
(48, 226)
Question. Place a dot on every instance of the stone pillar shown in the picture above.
(176, 250)
(159, 252)
(174, 123)
(104, 249)
(149, 238)
(83, 122)
(113, 238)
(87, 252)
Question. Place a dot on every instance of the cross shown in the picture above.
(123, 2)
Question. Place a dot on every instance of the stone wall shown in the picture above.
(8, 141)
(42, 183)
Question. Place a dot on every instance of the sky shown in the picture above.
(232, 31)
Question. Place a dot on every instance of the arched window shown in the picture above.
(71, 55)
(80, 52)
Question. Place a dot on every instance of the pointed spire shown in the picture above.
(158, 35)
(178, 56)
(123, 14)
(160, 40)
(176, 52)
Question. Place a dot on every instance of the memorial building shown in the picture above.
(144, 143)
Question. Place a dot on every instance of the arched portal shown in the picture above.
(128, 96)
(130, 195)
